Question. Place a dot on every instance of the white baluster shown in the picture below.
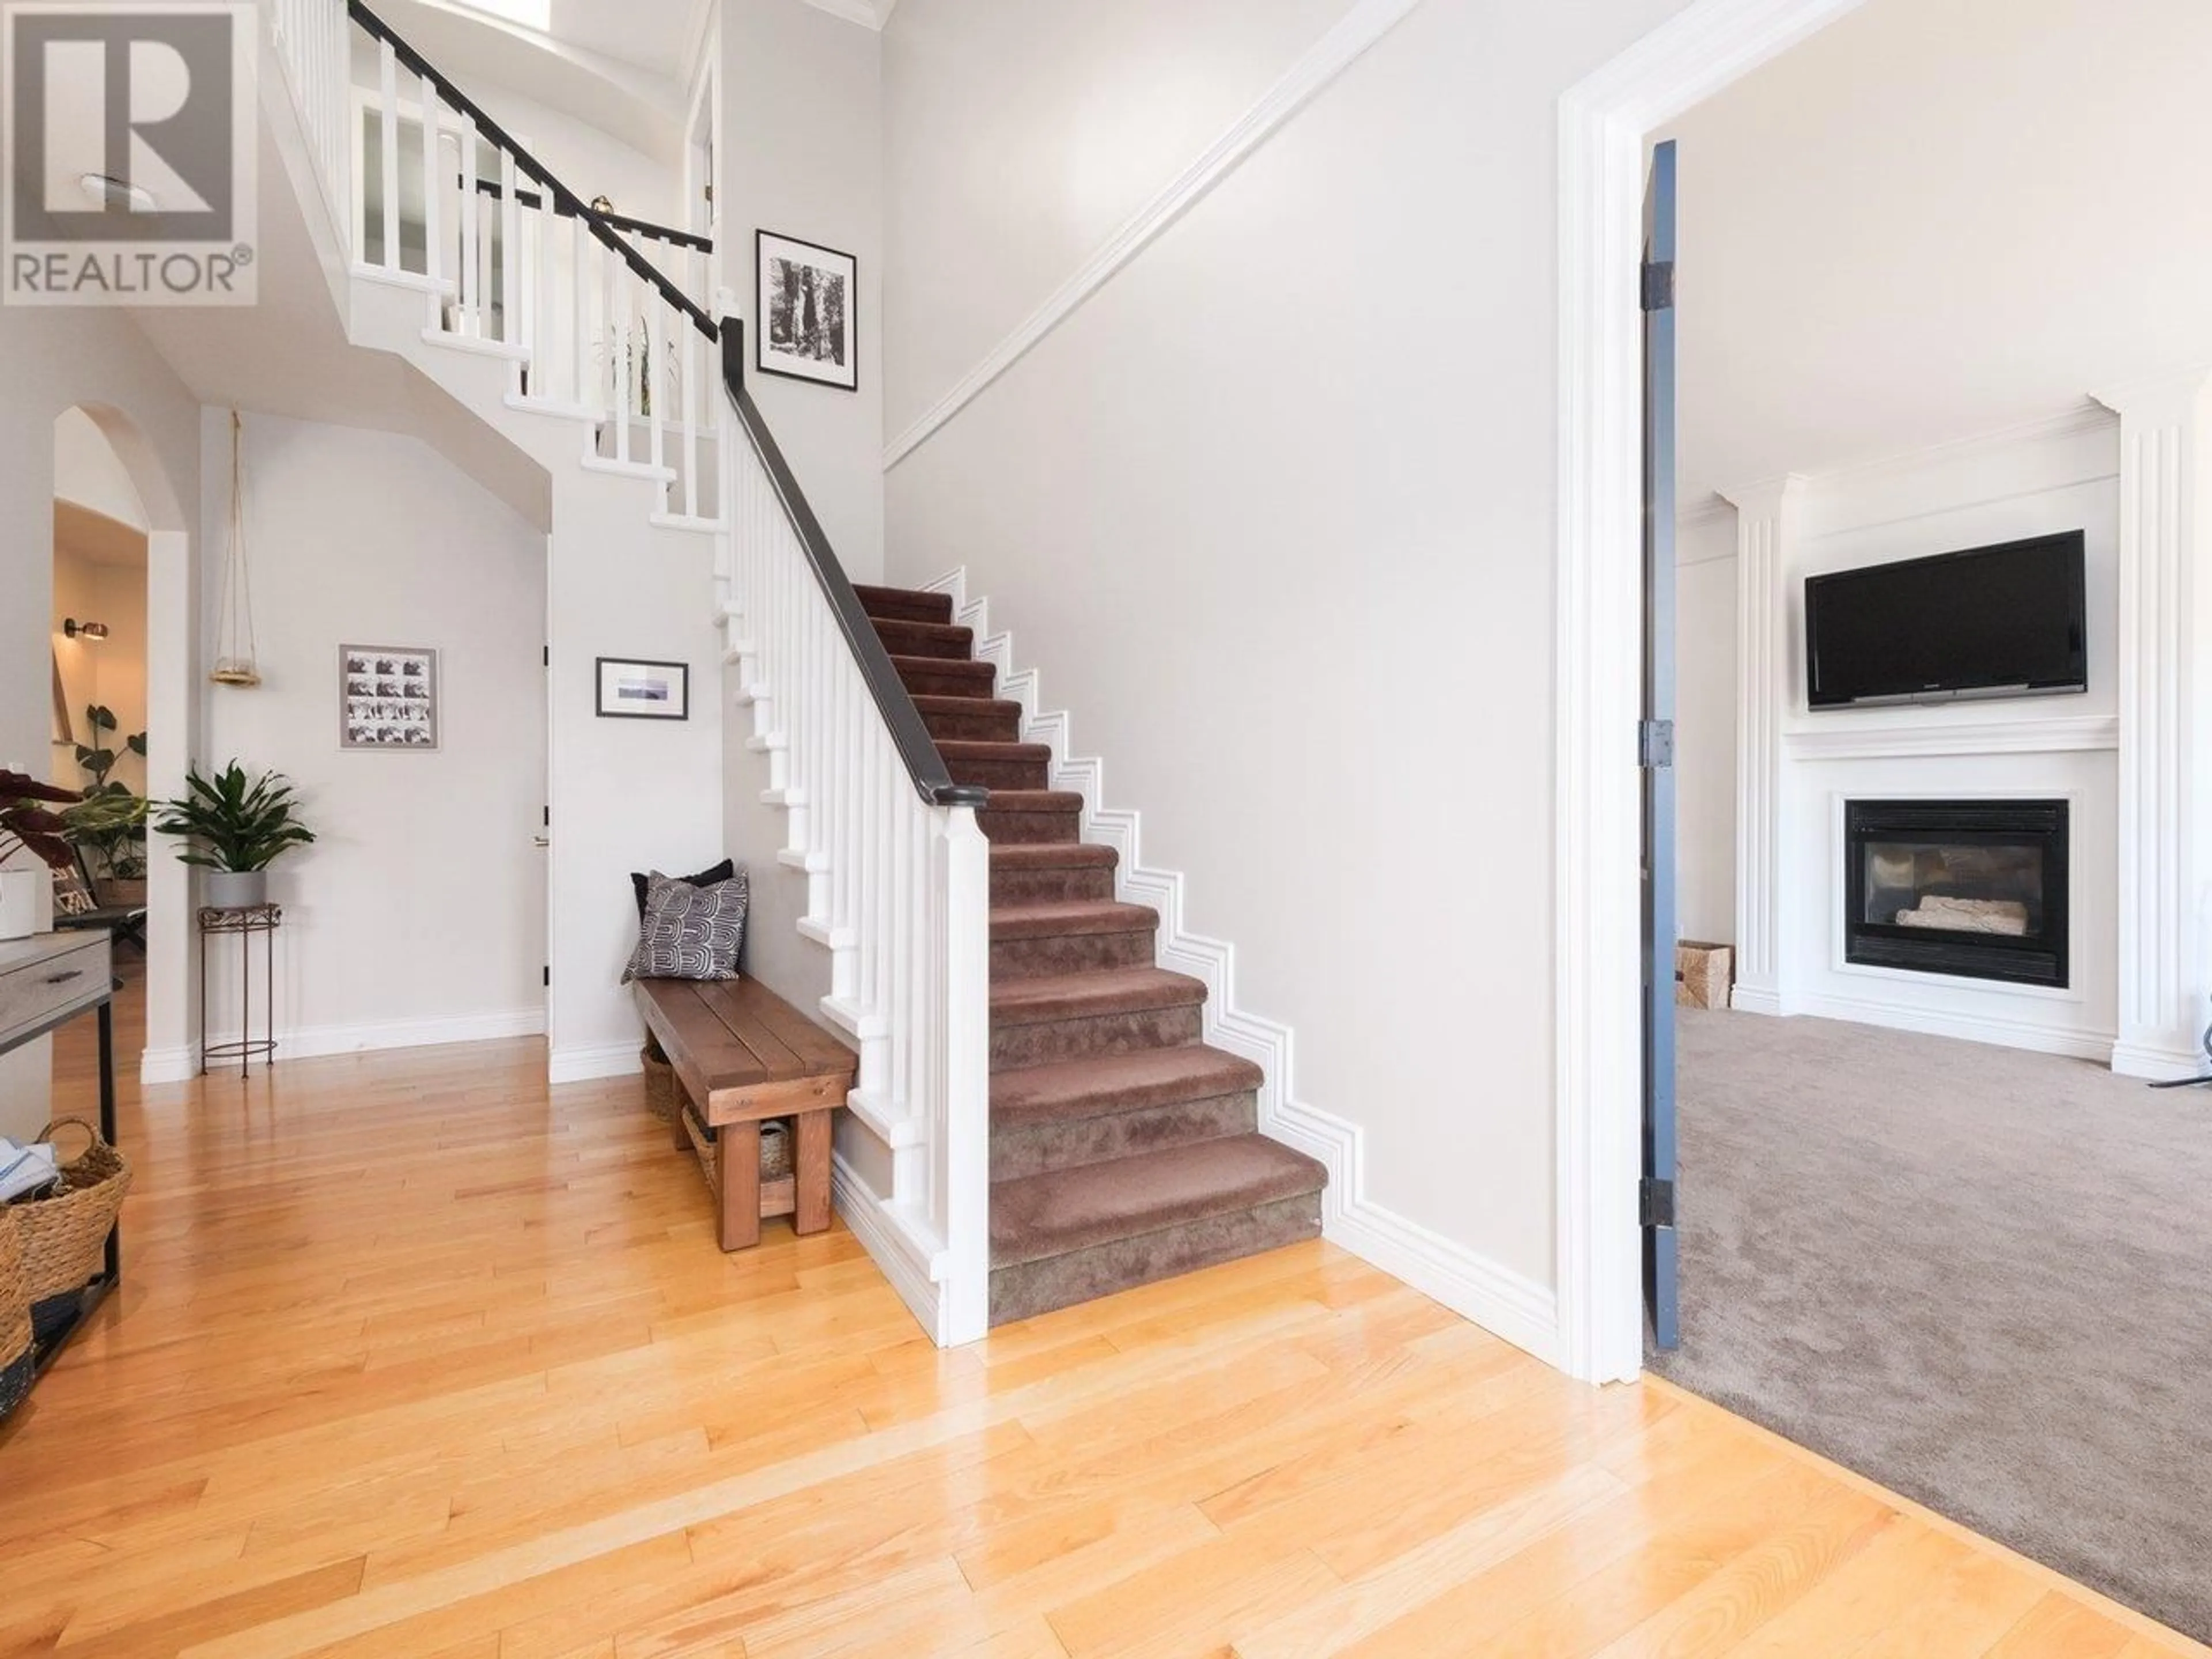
(433, 191)
(510, 227)
(624, 308)
(470, 296)
(540, 328)
(387, 79)
(579, 268)
(687, 372)
(654, 375)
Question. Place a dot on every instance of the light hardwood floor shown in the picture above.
(416, 1358)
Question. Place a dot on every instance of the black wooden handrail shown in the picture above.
(565, 202)
(644, 227)
(893, 701)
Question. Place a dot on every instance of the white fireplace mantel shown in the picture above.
(2118, 752)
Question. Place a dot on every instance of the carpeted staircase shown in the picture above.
(1123, 1150)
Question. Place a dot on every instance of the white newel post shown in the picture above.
(964, 1150)
(2166, 718)
(1767, 533)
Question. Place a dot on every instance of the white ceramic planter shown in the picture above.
(19, 902)
(233, 890)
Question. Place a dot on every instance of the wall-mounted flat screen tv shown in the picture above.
(1986, 622)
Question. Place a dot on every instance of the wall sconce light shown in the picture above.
(89, 630)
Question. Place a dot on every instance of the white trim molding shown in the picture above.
(2166, 719)
(1768, 516)
(587, 1062)
(180, 1062)
(1494, 1297)
(1359, 28)
(2058, 735)
(891, 1243)
(1597, 1045)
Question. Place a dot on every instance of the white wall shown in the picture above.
(1023, 136)
(1273, 513)
(88, 472)
(802, 156)
(418, 915)
(627, 794)
(55, 359)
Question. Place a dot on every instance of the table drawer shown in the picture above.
(33, 992)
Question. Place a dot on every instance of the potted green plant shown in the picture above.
(110, 828)
(110, 824)
(28, 825)
(234, 826)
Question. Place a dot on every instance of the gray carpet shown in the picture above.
(1980, 1277)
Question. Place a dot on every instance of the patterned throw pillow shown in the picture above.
(690, 932)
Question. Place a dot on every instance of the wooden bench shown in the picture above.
(741, 1054)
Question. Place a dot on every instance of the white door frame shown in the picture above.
(1603, 122)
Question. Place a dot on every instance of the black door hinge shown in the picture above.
(548, 656)
(549, 974)
(1659, 285)
(1655, 743)
(1655, 1204)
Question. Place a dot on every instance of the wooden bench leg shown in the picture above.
(681, 1136)
(736, 1172)
(810, 1165)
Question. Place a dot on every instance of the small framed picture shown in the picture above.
(387, 697)
(805, 311)
(630, 690)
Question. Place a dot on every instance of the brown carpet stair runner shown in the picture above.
(1123, 1150)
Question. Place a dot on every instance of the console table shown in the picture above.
(45, 982)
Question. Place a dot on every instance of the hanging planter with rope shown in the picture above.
(234, 663)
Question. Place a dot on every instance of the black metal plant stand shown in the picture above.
(243, 923)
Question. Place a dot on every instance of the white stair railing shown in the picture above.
(898, 869)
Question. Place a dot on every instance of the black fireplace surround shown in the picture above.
(1976, 889)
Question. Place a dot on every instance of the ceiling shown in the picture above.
(1932, 222)
(83, 532)
(228, 357)
(656, 36)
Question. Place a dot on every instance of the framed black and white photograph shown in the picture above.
(631, 689)
(807, 301)
(387, 697)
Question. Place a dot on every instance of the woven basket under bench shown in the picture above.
(779, 1186)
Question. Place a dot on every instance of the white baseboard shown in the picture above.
(583, 1062)
(1526, 1313)
(1754, 999)
(314, 1042)
(181, 1063)
(2157, 1062)
(886, 1243)
(178, 1064)
(1970, 1027)
(1471, 1285)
